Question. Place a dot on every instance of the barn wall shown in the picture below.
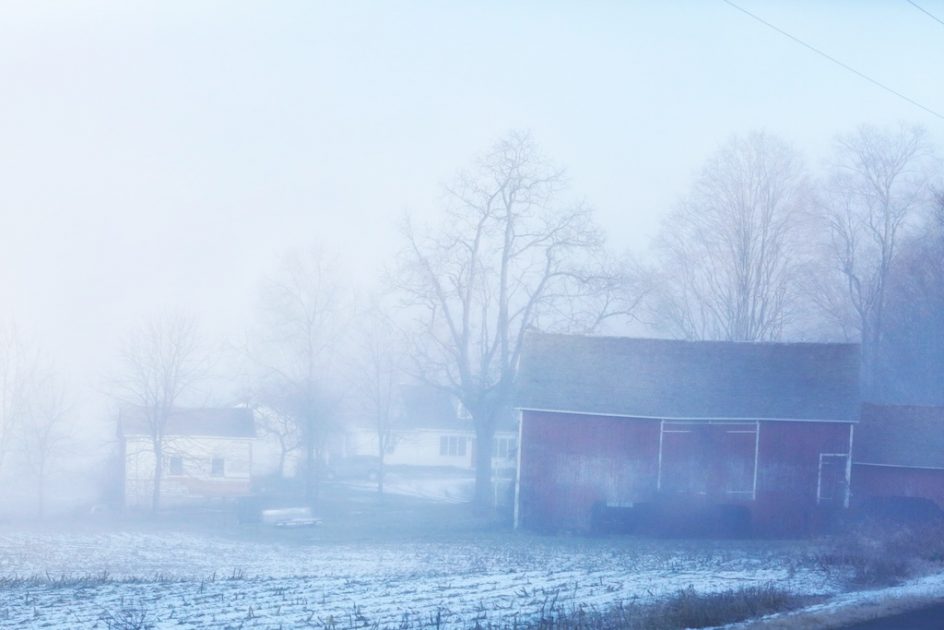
(570, 462)
(893, 481)
(789, 473)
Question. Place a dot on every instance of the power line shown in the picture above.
(834, 60)
(926, 12)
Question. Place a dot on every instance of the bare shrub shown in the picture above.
(132, 617)
(881, 553)
(686, 609)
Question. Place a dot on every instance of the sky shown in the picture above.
(159, 157)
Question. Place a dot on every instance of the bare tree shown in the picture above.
(17, 368)
(378, 378)
(728, 255)
(510, 255)
(44, 431)
(878, 183)
(303, 310)
(911, 354)
(281, 426)
(162, 361)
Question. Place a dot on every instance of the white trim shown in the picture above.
(681, 418)
(756, 458)
(659, 470)
(518, 470)
(845, 502)
(898, 466)
(819, 478)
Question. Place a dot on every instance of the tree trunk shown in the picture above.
(309, 470)
(282, 454)
(484, 434)
(381, 451)
(158, 474)
(41, 492)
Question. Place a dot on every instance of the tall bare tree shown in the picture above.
(911, 355)
(304, 309)
(378, 378)
(162, 361)
(878, 182)
(511, 254)
(729, 254)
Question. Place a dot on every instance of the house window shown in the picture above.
(503, 448)
(216, 467)
(452, 446)
(176, 465)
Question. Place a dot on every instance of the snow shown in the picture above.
(207, 579)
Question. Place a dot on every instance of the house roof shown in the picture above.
(897, 435)
(232, 422)
(428, 407)
(689, 379)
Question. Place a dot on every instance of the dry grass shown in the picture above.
(880, 554)
(685, 609)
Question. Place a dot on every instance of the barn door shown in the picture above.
(832, 487)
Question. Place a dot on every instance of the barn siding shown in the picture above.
(893, 481)
(570, 462)
(789, 472)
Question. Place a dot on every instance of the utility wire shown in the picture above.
(926, 12)
(835, 61)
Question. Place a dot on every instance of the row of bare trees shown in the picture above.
(759, 249)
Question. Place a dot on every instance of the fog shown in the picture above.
(278, 174)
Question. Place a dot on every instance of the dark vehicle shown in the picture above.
(355, 467)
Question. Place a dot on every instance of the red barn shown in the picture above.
(646, 425)
(899, 453)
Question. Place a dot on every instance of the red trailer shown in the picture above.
(759, 430)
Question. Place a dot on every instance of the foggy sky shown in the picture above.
(161, 156)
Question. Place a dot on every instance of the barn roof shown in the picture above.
(661, 378)
(233, 422)
(895, 435)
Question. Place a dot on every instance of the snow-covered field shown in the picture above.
(229, 578)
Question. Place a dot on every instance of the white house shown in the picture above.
(432, 428)
(207, 456)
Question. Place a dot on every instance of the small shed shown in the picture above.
(899, 452)
(633, 424)
(207, 455)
